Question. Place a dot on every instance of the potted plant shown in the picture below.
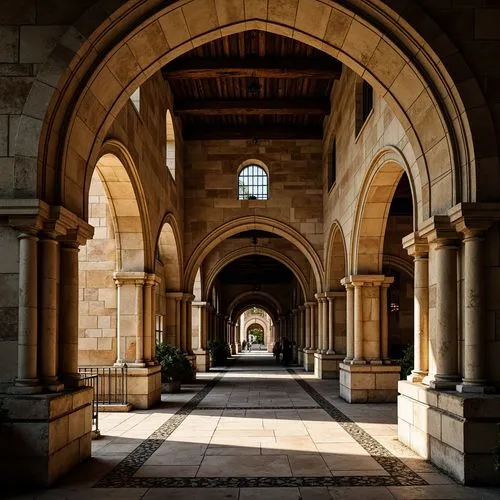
(219, 352)
(175, 367)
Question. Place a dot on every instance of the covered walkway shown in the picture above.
(256, 430)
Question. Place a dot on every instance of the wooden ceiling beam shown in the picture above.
(257, 67)
(303, 106)
(223, 132)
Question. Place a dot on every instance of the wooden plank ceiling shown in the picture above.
(252, 85)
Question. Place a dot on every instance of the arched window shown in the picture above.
(170, 147)
(253, 183)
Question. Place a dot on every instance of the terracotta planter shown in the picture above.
(171, 387)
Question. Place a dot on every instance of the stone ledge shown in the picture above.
(45, 407)
(451, 429)
(466, 405)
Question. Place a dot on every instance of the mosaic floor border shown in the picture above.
(392, 464)
(123, 474)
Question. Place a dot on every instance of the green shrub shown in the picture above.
(174, 364)
(407, 361)
(219, 352)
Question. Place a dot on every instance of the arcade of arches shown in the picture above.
(182, 171)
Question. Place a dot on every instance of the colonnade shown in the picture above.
(437, 256)
(48, 299)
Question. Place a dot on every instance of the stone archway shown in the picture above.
(251, 250)
(372, 42)
(249, 223)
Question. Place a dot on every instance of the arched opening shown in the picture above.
(170, 157)
(118, 246)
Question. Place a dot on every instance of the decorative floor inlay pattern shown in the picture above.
(208, 408)
(260, 482)
(121, 475)
(124, 474)
(393, 465)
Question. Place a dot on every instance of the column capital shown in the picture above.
(129, 278)
(359, 280)
(472, 219)
(320, 297)
(174, 295)
(333, 295)
(188, 297)
(152, 280)
(309, 304)
(438, 229)
(415, 245)
(197, 303)
(302, 308)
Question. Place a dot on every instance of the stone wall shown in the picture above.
(97, 263)
(295, 195)
(354, 153)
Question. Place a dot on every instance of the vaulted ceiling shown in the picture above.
(252, 84)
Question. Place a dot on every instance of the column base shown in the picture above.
(308, 360)
(55, 386)
(72, 380)
(369, 383)
(25, 387)
(470, 388)
(444, 383)
(137, 364)
(44, 436)
(456, 431)
(326, 366)
(416, 376)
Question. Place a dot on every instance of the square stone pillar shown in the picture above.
(366, 378)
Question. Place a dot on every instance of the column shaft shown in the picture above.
(421, 316)
(27, 363)
(119, 359)
(331, 327)
(308, 326)
(384, 323)
(139, 332)
(446, 349)
(148, 321)
(49, 277)
(349, 323)
(474, 339)
(68, 315)
(358, 324)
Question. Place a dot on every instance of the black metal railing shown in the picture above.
(112, 388)
(93, 381)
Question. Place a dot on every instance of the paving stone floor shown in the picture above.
(256, 431)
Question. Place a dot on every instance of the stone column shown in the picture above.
(48, 312)
(324, 321)
(445, 347)
(474, 379)
(419, 250)
(149, 318)
(308, 316)
(27, 366)
(314, 325)
(384, 324)
(188, 323)
(358, 324)
(139, 333)
(331, 326)
(119, 358)
(349, 320)
(319, 319)
(68, 314)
